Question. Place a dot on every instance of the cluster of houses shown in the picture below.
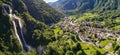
(99, 33)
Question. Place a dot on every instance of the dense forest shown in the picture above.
(64, 27)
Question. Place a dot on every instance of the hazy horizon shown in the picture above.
(50, 1)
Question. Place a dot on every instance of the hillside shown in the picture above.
(42, 11)
(32, 21)
(93, 26)
(80, 6)
(32, 27)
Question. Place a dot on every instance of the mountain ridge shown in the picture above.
(87, 29)
(80, 6)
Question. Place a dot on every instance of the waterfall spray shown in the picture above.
(13, 17)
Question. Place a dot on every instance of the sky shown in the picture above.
(50, 0)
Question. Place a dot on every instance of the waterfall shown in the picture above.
(21, 31)
(14, 18)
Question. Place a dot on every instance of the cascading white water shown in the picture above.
(13, 17)
(21, 31)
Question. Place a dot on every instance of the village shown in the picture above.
(87, 33)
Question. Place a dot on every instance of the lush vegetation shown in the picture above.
(32, 26)
(92, 30)
(8, 42)
(42, 11)
(71, 7)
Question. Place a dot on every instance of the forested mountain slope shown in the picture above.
(42, 11)
(35, 14)
(91, 27)
(78, 6)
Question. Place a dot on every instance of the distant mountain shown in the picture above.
(78, 6)
(50, 3)
(93, 27)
